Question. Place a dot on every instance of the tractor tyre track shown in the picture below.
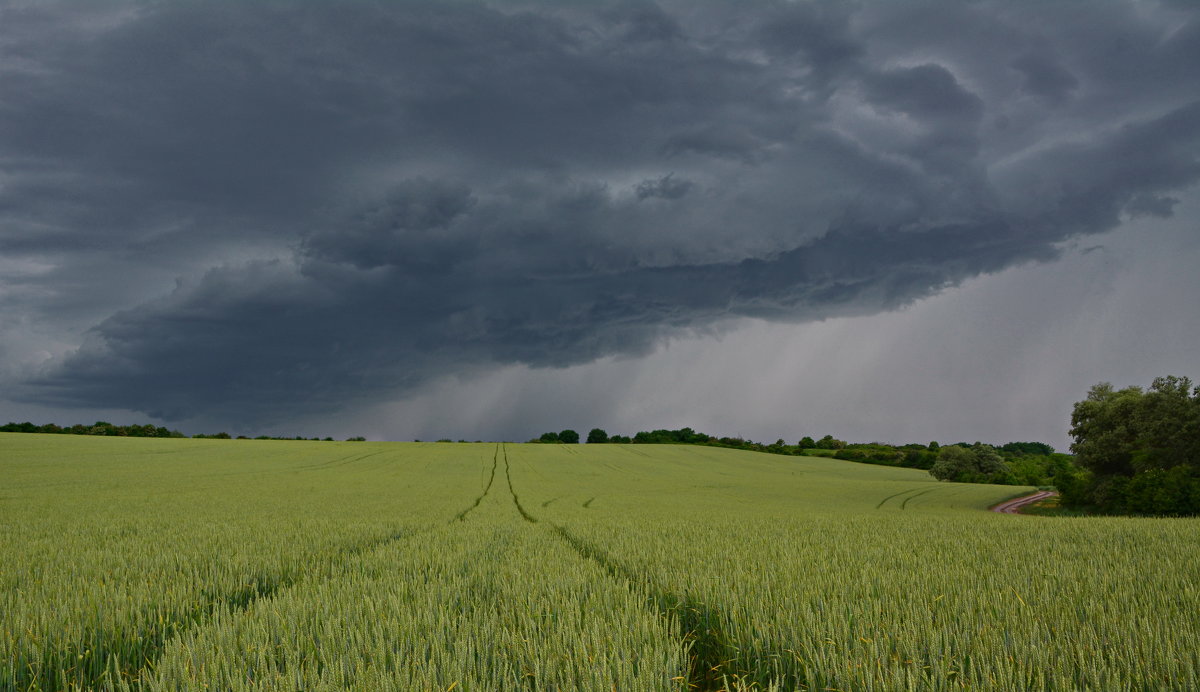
(904, 504)
(708, 649)
(114, 662)
(512, 491)
(462, 516)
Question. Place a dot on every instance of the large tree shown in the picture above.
(1141, 448)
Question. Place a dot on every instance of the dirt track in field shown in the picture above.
(1014, 506)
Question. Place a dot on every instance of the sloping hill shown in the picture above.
(630, 476)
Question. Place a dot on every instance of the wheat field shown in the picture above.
(166, 564)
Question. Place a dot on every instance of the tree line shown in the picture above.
(1015, 463)
(106, 429)
(100, 427)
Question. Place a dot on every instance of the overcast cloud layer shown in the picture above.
(257, 213)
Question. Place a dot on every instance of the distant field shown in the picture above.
(169, 564)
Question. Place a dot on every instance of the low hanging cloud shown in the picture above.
(431, 188)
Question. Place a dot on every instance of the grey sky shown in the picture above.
(771, 219)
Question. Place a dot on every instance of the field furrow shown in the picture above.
(462, 516)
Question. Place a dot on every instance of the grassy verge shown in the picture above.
(1051, 507)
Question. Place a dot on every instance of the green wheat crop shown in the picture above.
(147, 564)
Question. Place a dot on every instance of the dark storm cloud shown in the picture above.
(926, 93)
(666, 187)
(450, 186)
(1044, 77)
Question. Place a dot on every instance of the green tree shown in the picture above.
(1102, 426)
(1168, 426)
(919, 459)
(569, 437)
(597, 436)
(549, 437)
(952, 462)
(978, 463)
(1027, 449)
(829, 442)
(1141, 449)
(806, 442)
